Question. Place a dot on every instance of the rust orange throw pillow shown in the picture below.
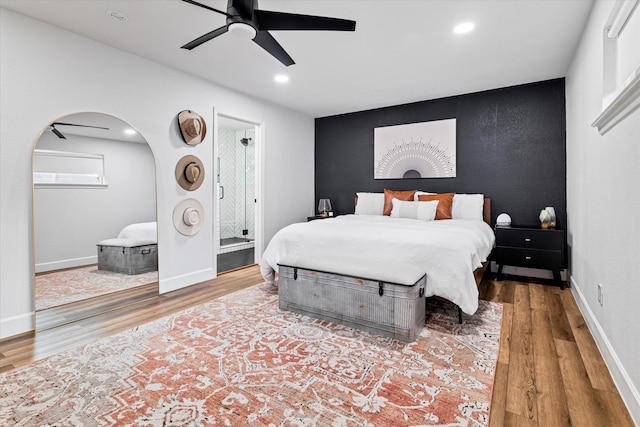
(445, 202)
(389, 195)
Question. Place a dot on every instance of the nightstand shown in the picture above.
(530, 247)
(312, 218)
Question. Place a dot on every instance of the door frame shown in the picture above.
(259, 130)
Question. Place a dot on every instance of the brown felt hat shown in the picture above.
(190, 172)
(192, 127)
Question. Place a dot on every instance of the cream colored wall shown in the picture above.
(46, 73)
(603, 202)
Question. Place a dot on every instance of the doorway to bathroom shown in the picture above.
(236, 184)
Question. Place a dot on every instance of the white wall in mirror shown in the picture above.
(69, 222)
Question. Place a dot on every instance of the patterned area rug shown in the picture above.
(239, 361)
(62, 287)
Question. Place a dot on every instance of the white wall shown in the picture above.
(603, 201)
(69, 222)
(46, 73)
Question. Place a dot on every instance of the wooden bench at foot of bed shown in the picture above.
(386, 299)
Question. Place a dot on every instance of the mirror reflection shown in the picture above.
(94, 213)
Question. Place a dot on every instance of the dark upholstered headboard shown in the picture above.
(486, 211)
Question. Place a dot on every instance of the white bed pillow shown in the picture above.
(424, 211)
(465, 206)
(468, 206)
(370, 204)
(418, 193)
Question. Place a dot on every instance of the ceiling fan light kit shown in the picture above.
(245, 20)
(242, 30)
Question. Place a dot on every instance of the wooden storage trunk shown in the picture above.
(128, 259)
(386, 299)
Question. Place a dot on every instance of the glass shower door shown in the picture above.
(236, 187)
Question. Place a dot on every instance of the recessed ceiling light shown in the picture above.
(464, 28)
(281, 78)
(130, 131)
(117, 15)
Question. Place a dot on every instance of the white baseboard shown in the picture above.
(627, 389)
(17, 325)
(179, 282)
(66, 263)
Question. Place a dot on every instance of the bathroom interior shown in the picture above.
(236, 183)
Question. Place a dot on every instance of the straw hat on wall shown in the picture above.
(192, 127)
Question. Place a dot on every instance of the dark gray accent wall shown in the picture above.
(510, 147)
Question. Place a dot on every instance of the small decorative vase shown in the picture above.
(552, 215)
(545, 218)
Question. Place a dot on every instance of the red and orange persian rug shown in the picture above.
(240, 361)
(63, 287)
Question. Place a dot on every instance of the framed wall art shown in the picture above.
(416, 150)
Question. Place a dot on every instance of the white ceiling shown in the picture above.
(402, 50)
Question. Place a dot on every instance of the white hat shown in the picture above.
(188, 217)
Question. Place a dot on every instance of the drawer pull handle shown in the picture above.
(527, 258)
(527, 239)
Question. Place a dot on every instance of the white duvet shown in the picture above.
(447, 250)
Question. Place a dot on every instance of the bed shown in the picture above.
(449, 251)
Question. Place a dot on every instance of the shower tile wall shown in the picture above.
(232, 175)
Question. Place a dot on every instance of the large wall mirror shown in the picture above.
(94, 218)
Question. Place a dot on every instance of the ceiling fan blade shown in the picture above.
(58, 133)
(202, 39)
(268, 43)
(74, 124)
(195, 3)
(269, 20)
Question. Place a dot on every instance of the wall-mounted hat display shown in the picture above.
(190, 172)
(192, 127)
(188, 217)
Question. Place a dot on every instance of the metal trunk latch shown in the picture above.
(380, 288)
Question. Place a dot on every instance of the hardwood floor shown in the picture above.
(549, 372)
(72, 312)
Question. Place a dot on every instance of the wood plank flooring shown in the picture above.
(549, 372)
(72, 312)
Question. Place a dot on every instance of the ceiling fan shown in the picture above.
(246, 20)
(61, 136)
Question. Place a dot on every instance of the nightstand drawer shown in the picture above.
(530, 238)
(532, 258)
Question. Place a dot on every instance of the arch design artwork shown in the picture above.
(417, 150)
